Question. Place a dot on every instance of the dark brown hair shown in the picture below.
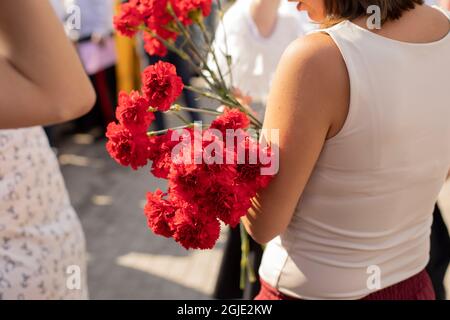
(338, 10)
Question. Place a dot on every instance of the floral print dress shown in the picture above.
(42, 245)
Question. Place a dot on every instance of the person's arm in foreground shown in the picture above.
(308, 103)
(41, 79)
(265, 14)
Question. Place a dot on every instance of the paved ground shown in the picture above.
(126, 261)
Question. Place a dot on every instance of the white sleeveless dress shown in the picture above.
(41, 241)
(367, 208)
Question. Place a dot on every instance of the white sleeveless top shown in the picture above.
(368, 205)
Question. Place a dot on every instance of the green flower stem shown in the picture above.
(250, 270)
(244, 257)
(177, 107)
(168, 44)
(246, 267)
(179, 116)
(179, 52)
(226, 98)
(207, 94)
(194, 48)
(208, 42)
(227, 51)
(160, 132)
(228, 101)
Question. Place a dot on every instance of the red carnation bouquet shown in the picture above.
(213, 171)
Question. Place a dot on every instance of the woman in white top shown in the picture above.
(364, 151)
(42, 253)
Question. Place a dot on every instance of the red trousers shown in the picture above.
(418, 287)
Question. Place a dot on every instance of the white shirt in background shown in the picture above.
(96, 17)
(59, 7)
(255, 58)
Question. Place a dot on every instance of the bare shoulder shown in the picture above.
(317, 52)
(315, 70)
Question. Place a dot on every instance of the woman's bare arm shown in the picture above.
(308, 103)
(41, 78)
(265, 15)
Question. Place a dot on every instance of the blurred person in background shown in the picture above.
(255, 34)
(43, 83)
(97, 50)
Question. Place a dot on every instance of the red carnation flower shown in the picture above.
(249, 172)
(185, 9)
(195, 230)
(157, 20)
(228, 203)
(132, 112)
(154, 46)
(231, 119)
(185, 181)
(161, 154)
(201, 185)
(146, 7)
(161, 85)
(161, 166)
(127, 148)
(128, 19)
(189, 180)
(158, 14)
(159, 213)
